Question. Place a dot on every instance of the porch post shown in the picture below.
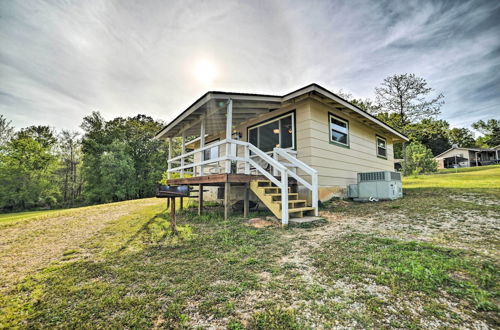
(183, 151)
(200, 199)
(284, 197)
(227, 198)
(202, 141)
(246, 200)
(169, 165)
(404, 159)
(229, 129)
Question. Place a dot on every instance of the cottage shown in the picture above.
(310, 143)
(467, 157)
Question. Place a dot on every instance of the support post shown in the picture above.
(169, 164)
(315, 193)
(247, 158)
(246, 200)
(183, 151)
(284, 197)
(200, 199)
(404, 159)
(227, 192)
(202, 141)
(182, 203)
(229, 129)
(173, 222)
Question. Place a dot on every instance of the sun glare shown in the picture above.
(205, 71)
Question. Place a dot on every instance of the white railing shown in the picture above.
(296, 163)
(253, 158)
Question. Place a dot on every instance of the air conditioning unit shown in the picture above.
(385, 185)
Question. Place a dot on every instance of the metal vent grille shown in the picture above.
(372, 176)
(395, 176)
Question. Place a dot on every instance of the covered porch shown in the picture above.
(212, 153)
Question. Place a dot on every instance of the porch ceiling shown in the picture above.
(214, 108)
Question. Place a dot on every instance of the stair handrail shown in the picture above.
(284, 172)
(313, 186)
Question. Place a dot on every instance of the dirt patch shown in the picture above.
(31, 245)
(259, 223)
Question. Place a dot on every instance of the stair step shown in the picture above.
(277, 197)
(296, 201)
(264, 183)
(273, 189)
(301, 209)
(279, 194)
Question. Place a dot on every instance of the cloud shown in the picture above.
(60, 60)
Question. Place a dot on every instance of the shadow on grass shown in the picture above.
(151, 286)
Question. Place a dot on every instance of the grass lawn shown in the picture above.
(428, 260)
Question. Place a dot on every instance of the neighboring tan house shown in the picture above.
(310, 138)
(467, 157)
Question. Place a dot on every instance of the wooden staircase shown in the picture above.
(270, 195)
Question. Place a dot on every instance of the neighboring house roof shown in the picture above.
(468, 149)
(267, 102)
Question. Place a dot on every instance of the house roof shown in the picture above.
(247, 105)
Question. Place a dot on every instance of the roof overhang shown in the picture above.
(212, 106)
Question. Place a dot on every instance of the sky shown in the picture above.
(61, 60)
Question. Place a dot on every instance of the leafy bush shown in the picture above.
(419, 159)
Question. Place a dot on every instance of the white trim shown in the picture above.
(330, 129)
(377, 137)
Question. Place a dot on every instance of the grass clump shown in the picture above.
(275, 318)
(407, 266)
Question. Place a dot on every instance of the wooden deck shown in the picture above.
(219, 179)
(225, 180)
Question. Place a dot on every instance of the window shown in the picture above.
(275, 133)
(339, 131)
(211, 153)
(381, 147)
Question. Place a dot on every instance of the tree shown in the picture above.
(431, 133)
(366, 104)
(69, 148)
(461, 137)
(42, 134)
(407, 95)
(419, 159)
(27, 173)
(117, 172)
(6, 130)
(491, 131)
(148, 156)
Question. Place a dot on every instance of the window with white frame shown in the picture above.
(275, 133)
(339, 130)
(381, 147)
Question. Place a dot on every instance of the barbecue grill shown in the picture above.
(172, 191)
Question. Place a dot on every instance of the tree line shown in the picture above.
(118, 159)
(111, 161)
(404, 102)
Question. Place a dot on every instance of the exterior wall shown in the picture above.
(459, 152)
(337, 165)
